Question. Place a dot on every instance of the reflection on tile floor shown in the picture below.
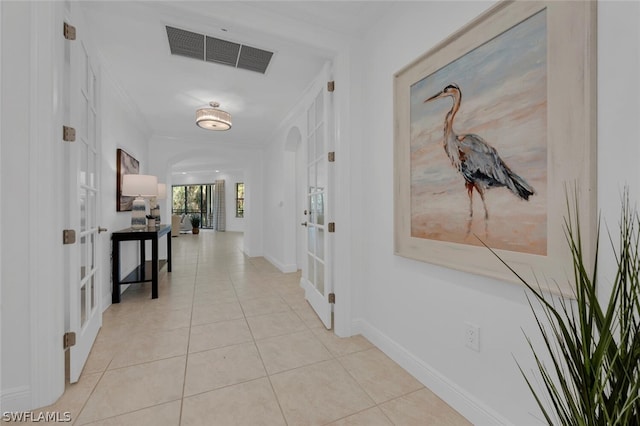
(232, 341)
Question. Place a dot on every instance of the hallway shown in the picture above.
(232, 341)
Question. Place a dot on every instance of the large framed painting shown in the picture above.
(494, 129)
(125, 165)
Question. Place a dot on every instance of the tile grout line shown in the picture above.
(252, 273)
(255, 344)
(186, 360)
(102, 374)
(84, 404)
(376, 404)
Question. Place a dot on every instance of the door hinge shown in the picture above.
(332, 227)
(331, 156)
(68, 134)
(69, 31)
(68, 236)
(331, 86)
(68, 339)
(332, 298)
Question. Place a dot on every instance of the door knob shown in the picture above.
(304, 223)
(100, 229)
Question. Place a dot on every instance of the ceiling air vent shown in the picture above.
(253, 59)
(186, 43)
(211, 49)
(222, 51)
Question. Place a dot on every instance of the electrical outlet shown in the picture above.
(472, 336)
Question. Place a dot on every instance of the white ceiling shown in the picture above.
(131, 40)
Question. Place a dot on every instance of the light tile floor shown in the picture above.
(232, 341)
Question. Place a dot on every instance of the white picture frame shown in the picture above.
(425, 214)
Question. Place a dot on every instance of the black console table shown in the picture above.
(138, 275)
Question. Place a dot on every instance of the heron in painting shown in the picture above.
(477, 161)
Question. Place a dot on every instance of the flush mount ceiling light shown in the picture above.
(213, 118)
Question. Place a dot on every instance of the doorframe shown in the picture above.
(344, 272)
(315, 299)
(45, 239)
(89, 72)
(300, 197)
(344, 138)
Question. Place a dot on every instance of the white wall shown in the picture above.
(120, 127)
(274, 191)
(253, 242)
(233, 223)
(32, 206)
(282, 209)
(618, 112)
(416, 311)
(16, 344)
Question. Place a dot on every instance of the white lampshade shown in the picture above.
(213, 118)
(162, 191)
(140, 185)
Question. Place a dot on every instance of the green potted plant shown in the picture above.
(593, 377)
(195, 223)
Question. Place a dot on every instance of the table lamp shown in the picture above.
(139, 186)
(153, 202)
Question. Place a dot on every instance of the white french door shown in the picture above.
(317, 277)
(85, 314)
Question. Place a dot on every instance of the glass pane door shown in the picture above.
(316, 278)
(85, 315)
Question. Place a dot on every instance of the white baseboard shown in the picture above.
(106, 298)
(251, 254)
(16, 399)
(467, 405)
(285, 269)
(106, 301)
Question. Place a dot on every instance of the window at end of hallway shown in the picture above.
(239, 199)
